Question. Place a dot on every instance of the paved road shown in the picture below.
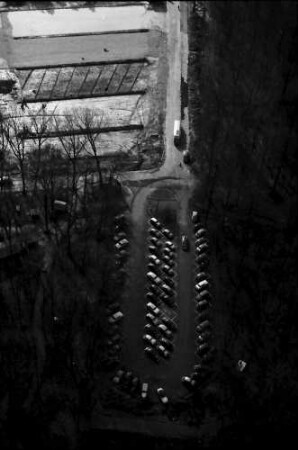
(180, 182)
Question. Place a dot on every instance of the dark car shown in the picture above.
(203, 294)
(167, 344)
(202, 276)
(152, 354)
(169, 323)
(186, 157)
(185, 243)
(204, 315)
(169, 281)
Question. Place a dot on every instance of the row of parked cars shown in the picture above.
(113, 310)
(161, 288)
(203, 300)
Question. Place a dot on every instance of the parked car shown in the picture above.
(149, 339)
(169, 252)
(155, 223)
(167, 233)
(120, 236)
(203, 304)
(151, 329)
(163, 351)
(151, 276)
(204, 336)
(198, 228)
(155, 233)
(153, 308)
(116, 317)
(168, 260)
(195, 216)
(154, 289)
(154, 259)
(120, 218)
(204, 315)
(202, 258)
(150, 296)
(169, 244)
(203, 295)
(164, 330)
(162, 396)
(185, 243)
(168, 270)
(151, 318)
(204, 248)
(168, 300)
(203, 326)
(203, 348)
(145, 388)
(169, 281)
(202, 276)
(169, 323)
(202, 285)
(201, 241)
(152, 354)
(167, 344)
(118, 377)
(167, 289)
(135, 383)
(188, 382)
(121, 244)
(153, 249)
(155, 241)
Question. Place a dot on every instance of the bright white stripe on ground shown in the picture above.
(83, 20)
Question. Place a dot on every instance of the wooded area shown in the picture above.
(243, 111)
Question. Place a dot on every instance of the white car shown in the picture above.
(151, 276)
(162, 396)
(164, 329)
(202, 285)
(122, 243)
(163, 351)
(149, 339)
(189, 382)
(154, 259)
(167, 233)
(145, 387)
(116, 317)
(151, 318)
(153, 221)
(153, 308)
(167, 289)
(170, 244)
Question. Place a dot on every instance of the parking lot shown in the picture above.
(167, 372)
